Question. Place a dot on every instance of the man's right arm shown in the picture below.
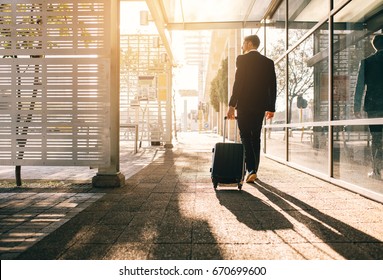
(238, 83)
(272, 89)
(236, 89)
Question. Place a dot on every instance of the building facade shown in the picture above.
(317, 47)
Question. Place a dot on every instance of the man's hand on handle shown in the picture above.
(231, 113)
(269, 115)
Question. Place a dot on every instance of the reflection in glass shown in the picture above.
(280, 105)
(276, 33)
(276, 42)
(308, 79)
(308, 147)
(351, 46)
(276, 144)
(276, 139)
(303, 15)
(353, 157)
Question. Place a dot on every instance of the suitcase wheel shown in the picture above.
(215, 184)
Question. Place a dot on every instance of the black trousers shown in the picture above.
(250, 125)
(376, 143)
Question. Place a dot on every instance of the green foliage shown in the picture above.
(219, 86)
(223, 81)
(214, 94)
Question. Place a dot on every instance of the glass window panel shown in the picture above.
(259, 9)
(276, 142)
(357, 10)
(308, 147)
(352, 36)
(276, 42)
(173, 10)
(353, 146)
(213, 10)
(280, 13)
(303, 15)
(308, 79)
(280, 105)
(276, 33)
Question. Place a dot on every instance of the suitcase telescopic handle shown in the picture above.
(224, 129)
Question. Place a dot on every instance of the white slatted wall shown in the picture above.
(54, 82)
(142, 57)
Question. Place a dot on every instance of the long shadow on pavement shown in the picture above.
(252, 211)
(142, 220)
(349, 242)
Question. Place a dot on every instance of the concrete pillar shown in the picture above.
(110, 176)
(169, 108)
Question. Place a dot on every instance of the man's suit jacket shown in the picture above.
(370, 75)
(255, 84)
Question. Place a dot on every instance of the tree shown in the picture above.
(219, 86)
(223, 81)
(301, 77)
(214, 94)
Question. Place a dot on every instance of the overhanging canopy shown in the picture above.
(211, 14)
(169, 15)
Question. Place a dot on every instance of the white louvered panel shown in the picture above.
(54, 83)
(63, 27)
(141, 56)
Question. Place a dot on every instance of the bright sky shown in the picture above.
(185, 76)
(130, 19)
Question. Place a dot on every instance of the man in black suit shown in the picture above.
(370, 82)
(254, 95)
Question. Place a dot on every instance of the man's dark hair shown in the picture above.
(254, 39)
(377, 42)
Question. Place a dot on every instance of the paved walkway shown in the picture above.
(169, 210)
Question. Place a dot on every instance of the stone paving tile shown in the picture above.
(170, 210)
(81, 251)
(280, 251)
(146, 233)
(171, 251)
(29, 217)
(206, 251)
(128, 251)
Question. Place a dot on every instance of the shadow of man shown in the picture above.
(252, 211)
(143, 220)
(349, 242)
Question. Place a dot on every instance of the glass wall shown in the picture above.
(308, 101)
(276, 136)
(303, 15)
(330, 131)
(276, 47)
(357, 142)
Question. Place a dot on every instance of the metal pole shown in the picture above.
(169, 97)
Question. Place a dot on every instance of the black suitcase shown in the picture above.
(228, 166)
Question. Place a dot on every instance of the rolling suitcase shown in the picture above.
(228, 166)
